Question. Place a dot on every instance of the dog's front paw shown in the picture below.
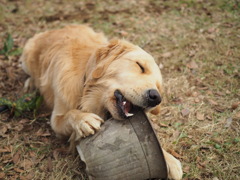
(174, 167)
(87, 125)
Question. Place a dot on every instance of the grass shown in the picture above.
(195, 42)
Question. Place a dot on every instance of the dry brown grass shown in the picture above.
(197, 45)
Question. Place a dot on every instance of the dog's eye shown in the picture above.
(141, 67)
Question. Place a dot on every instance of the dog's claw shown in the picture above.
(88, 125)
(129, 114)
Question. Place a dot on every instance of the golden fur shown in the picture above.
(78, 70)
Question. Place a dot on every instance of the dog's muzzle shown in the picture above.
(127, 109)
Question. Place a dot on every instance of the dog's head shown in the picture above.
(131, 79)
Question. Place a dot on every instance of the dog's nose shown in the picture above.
(153, 97)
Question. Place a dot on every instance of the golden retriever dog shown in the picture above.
(83, 78)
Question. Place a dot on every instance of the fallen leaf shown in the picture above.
(200, 116)
(229, 53)
(5, 150)
(62, 150)
(28, 177)
(185, 112)
(237, 116)
(235, 105)
(55, 154)
(3, 131)
(192, 53)
(163, 125)
(19, 170)
(19, 127)
(23, 121)
(32, 154)
(6, 158)
(196, 100)
(168, 114)
(123, 33)
(16, 157)
(174, 153)
(228, 92)
(46, 133)
(165, 112)
(161, 66)
(45, 140)
(154, 119)
(23, 178)
(44, 115)
(10, 73)
(166, 54)
(220, 109)
(2, 175)
(217, 140)
(211, 37)
(212, 30)
(28, 128)
(26, 164)
(228, 122)
(209, 92)
(77, 172)
(220, 93)
(176, 134)
(41, 133)
(212, 102)
(186, 169)
(195, 94)
(155, 126)
(209, 117)
(49, 165)
(203, 164)
(192, 65)
(42, 167)
(188, 93)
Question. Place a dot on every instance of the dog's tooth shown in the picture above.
(129, 114)
(124, 103)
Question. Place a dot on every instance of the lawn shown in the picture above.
(196, 44)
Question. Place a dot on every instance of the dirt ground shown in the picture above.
(196, 44)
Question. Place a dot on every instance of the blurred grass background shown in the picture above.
(196, 43)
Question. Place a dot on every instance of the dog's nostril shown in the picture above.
(153, 94)
(154, 97)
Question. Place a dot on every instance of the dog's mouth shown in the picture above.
(126, 109)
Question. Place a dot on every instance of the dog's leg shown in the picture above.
(28, 85)
(74, 123)
(174, 166)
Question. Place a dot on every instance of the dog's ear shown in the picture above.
(107, 54)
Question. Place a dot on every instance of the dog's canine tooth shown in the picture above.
(129, 114)
(124, 103)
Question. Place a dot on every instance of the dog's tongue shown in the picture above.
(127, 106)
